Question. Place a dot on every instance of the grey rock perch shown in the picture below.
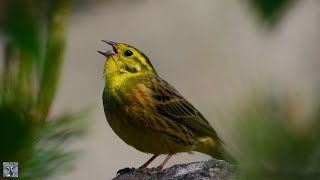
(212, 169)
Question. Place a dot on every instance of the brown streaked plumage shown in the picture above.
(148, 113)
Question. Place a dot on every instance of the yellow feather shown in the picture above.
(148, 113)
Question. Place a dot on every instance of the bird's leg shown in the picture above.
(160, 167)
(144, 166)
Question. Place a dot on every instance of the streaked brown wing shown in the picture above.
(171, 105)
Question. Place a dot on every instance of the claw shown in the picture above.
(125, 171)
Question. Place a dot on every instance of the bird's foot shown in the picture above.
(145, 169)
(151, 169)
(159, 168)
(125, 170)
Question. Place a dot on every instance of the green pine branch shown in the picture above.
(28, 85)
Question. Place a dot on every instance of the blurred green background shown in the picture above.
(251, 67)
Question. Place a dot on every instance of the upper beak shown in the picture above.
(110, 52)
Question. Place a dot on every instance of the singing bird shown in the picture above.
(148, 113)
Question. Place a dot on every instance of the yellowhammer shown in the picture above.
(148, 113)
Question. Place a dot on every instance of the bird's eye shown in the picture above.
(128, 53)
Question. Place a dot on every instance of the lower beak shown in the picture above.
(107, 53)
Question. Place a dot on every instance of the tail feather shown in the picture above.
(226, 154)
(214, 149)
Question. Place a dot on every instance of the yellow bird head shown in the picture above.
(124, 62)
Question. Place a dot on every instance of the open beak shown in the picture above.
(110, 52)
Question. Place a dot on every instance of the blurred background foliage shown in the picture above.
(277, 137)
(277, 133)
(270, 11)
(34, 40)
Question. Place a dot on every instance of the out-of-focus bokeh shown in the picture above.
(243, 64)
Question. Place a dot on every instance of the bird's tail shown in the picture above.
(215, 149)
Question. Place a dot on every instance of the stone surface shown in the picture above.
(211, 169)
